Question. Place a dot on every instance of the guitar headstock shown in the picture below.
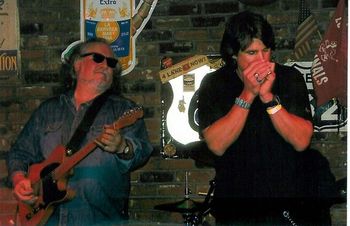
(128, 118)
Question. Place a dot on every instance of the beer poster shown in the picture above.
(117, 21)
(9, 39)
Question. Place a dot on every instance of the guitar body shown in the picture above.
(49, 190)
(178, 118)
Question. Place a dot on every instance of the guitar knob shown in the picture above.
(69, 152)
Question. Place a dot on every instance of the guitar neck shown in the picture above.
(70, 161)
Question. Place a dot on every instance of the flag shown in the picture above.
(329, 68)
(306, 29)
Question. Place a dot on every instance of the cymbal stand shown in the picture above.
(194, 216)
(197, 219)
(187, 215)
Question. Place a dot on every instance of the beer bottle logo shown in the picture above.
(119, 22)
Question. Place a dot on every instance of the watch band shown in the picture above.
(242, 103)
(273, 103)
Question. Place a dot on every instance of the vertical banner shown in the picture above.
(9, 39)
(306, 30)
(117, 21)
(329, 69)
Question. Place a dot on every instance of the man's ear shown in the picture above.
(77, 65)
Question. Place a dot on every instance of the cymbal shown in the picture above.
(183, 206)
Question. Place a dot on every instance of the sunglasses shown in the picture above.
(99, 58)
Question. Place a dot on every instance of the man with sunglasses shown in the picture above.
(101, 180)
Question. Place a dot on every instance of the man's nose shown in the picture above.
(104, 63)
(261, 55)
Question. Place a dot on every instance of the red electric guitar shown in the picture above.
(49, 178)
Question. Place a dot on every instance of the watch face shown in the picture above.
(126, 149)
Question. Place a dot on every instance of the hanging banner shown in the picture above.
(330, 62)
(330, 117)
(117, 21)
(9, 39)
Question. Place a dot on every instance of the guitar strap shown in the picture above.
(84, 126)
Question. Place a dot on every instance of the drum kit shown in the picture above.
(193, 212)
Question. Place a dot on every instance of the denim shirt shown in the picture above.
(101, 181)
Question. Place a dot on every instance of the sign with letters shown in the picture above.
(183, 67)
(329, 117)
(9, 39)
(117, 21)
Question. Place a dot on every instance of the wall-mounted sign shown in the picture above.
(117, 21)
(185, 78)
(183, 67)
(330, 117)
(9, 39)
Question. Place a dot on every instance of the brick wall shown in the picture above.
(177, 29)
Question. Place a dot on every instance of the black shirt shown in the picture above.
(260, 163)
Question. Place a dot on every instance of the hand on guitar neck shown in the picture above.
(111, 140)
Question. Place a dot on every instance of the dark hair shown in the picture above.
(239, 32)
(67, 68)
